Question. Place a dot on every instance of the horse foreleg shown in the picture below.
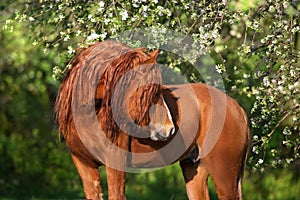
(195, 176)
(116, 184)
(90, 179)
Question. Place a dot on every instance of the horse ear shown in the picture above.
(152, 57)
(154, 54)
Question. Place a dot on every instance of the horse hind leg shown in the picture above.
(226, 176)
(226, 168)
(90, 178)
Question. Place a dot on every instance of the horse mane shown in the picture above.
(106, 62)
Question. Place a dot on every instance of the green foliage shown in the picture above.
(28, 140)
(255, 46)
(272, 185)
(167, 183)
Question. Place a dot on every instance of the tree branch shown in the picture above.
(282, 120)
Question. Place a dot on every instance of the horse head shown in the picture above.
(147, 106)
(128, 92)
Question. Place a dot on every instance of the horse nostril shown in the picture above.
(172, 131)
(161, 137)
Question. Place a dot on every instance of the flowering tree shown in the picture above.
(255, 45)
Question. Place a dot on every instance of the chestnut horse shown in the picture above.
(144, 124)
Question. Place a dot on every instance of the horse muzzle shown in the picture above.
(162, 133)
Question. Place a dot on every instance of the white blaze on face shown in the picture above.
(161, 122)
(169, 116)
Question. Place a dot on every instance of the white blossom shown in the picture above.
(93, 36)
(106, 21)
(31, 19)
(103, 35)
(219, 69)
(124, 14)
(70, 50)
(101, 4)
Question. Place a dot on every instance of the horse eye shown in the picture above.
(156, 95)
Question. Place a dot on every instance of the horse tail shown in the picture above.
(244, 156)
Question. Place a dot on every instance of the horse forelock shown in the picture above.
(148, 86)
